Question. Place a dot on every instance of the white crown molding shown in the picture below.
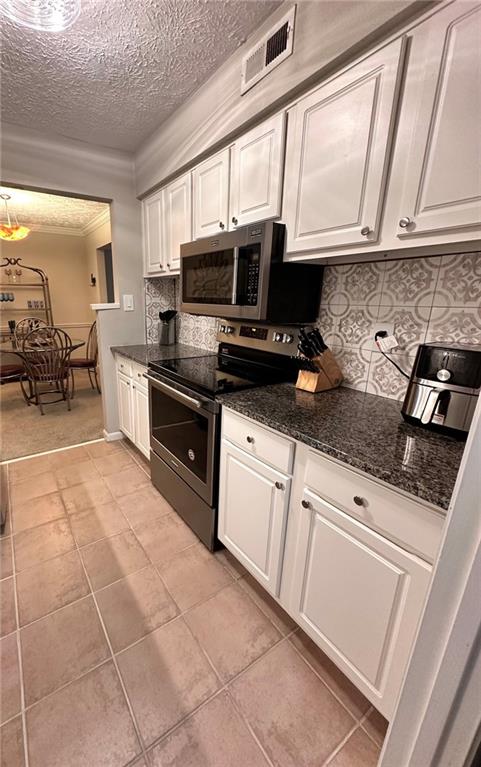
(47, 229)
(101, 218)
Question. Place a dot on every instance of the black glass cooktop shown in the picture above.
(219, 373)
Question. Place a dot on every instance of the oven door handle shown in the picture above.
(197, 403)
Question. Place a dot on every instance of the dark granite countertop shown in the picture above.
(145, 353)
(364, 431)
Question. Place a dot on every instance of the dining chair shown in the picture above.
(90, 361)
(46, 353)
(26, 325)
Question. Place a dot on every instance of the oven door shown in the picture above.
(183, 432)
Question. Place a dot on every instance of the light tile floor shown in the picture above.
(125, 642)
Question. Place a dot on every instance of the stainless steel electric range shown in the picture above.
(185, 415)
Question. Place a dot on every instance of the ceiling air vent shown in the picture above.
(269, 52)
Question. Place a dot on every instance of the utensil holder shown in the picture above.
(167, 333)
(329, 375)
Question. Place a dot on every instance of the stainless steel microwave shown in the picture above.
(243, 274)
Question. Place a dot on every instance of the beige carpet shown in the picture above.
(25, 432)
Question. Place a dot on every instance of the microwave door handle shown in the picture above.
(430, 405)
(235, 276)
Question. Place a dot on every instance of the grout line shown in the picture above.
(357, 719)
(113, 658)
(19, 653)
(340, 746)
(249, 727)
(364, 729)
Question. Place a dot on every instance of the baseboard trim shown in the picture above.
(111, 436)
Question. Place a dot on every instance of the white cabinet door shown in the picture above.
(211, 195)
(177, 217)
(359, 597)
(337, 155)
(257, 172)
(438, 156)
(253, 503)
(141, 419)
(126, 419)
(152, 233)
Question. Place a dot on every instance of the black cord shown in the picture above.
(383, 334)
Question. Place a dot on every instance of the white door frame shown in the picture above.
(438, 714)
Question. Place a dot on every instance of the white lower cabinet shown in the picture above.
(141, 419)
(356, 582)
(133, 398)
(358, 596)
(126, 419)
(253, 504)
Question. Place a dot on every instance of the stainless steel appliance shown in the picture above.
(242, 274)
(444, 386)
(184, 413)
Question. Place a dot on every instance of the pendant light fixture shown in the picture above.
(44, 15)
(8, 230)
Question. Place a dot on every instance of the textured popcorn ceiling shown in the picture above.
(122, 68)
(38, 210)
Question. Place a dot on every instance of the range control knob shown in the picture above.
(287, 338)
(277, 337)
(443, 374)
(222, 328)
(229, 330)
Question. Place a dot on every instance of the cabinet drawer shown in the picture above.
(269, 447)
(412, 525)
(124, 366)
(138, 374)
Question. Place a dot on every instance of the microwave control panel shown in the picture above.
(252, 282)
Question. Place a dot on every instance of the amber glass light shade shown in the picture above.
(14, 232)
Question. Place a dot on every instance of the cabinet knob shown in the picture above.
(404, 222)
(168, 266)
(234, 221)
(305, 504)
(222, 226)
(359, 501)
(365, 231)
(250, 440)
(279, 486)
(161, 266)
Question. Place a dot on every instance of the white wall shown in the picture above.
(53, 163)
(327, 33)
(95, 239)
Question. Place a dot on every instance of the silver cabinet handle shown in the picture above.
(222, 226)
(404, 222)
(250, 440)
(359, 501)
(305, 504)
(234, 221)
(279, 486)
(365, 231)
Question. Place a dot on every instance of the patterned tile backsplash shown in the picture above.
(425, 299)
(162, 293)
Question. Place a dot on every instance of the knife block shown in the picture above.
(329, 374)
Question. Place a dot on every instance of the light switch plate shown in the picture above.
(128, 303)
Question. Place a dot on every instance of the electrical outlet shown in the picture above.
(379, 327)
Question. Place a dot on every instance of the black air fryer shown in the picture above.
(444, 387)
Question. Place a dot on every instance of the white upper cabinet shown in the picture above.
(152, 233)
(211, 195)
(337, 155)
(257, 173)
(436, 175)
(177, 219)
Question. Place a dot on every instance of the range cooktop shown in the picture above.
(222, 373)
